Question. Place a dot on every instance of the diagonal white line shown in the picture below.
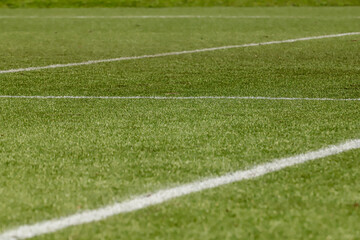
(28, 231)
(175, 53)
(179, 98)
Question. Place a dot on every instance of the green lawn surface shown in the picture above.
(171, 3)
(61, 156)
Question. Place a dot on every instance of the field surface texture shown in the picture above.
(62, 156)
(172, 3)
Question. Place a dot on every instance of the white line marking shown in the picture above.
(180, 98)
(176, 53)
(139, 202)
(174, 16)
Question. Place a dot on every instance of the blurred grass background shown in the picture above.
(170, 3)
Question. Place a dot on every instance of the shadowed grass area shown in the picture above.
(171, 3)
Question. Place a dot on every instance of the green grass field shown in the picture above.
(62, 156)
(171, 3)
